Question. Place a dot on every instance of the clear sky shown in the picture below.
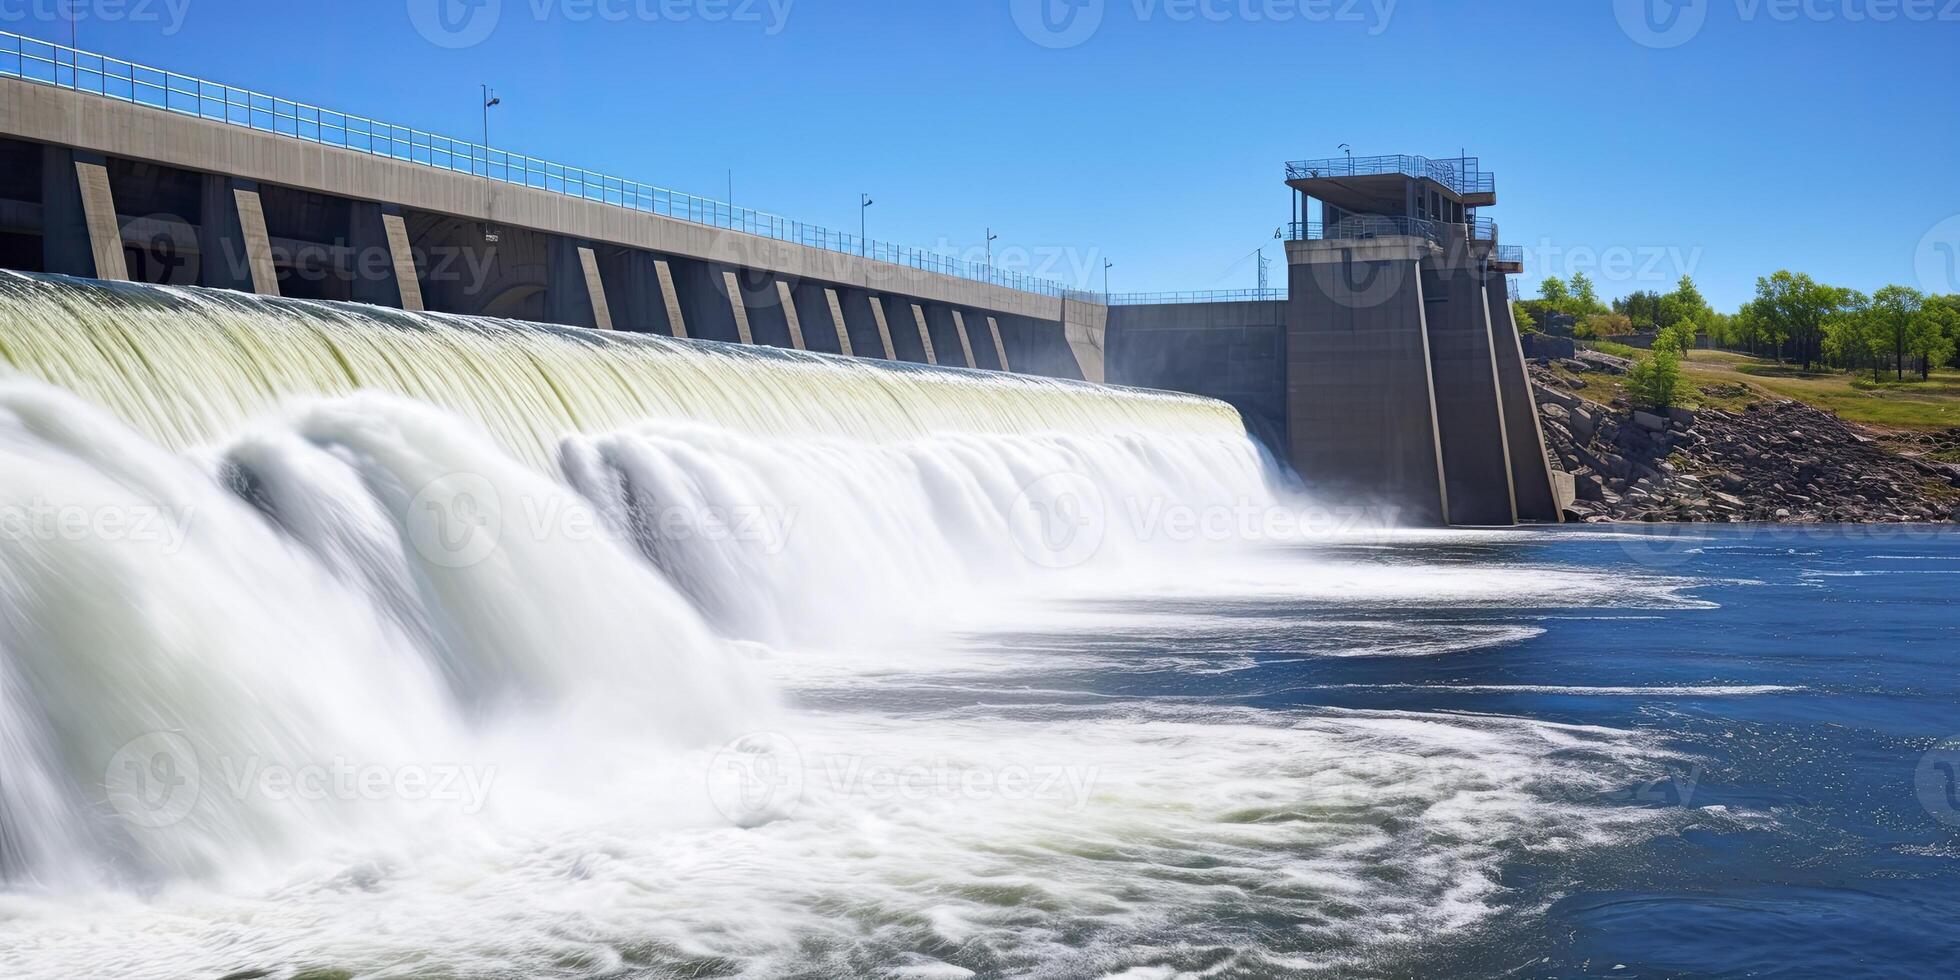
(1736, 138)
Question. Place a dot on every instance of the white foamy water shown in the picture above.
(344, 640)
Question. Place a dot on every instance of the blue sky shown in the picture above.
(1752, 135)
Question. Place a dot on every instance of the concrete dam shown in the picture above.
(1386, 373)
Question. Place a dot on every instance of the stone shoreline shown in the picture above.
(1778, 461)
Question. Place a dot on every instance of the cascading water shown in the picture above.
(256, 542)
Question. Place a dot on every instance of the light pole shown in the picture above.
(991, 238)
(1107, 265)
(864, 204)
(489, 99)
(1350, 157)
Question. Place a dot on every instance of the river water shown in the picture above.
(340, 642)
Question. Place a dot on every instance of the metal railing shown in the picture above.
(1211, 296)
(1463, 175)
(1362, 226)
(47, 63)
(1483, 230)
(1513, 254)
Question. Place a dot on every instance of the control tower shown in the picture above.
(1405, 381)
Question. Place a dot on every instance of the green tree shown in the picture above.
(1680, 335)
(1585, 299)
(1526, 324)
(1934, 335)
(1797, 305)
(1756, 328)
(1853, 336)
(1945, 310)
(1655, 381)
(1552, 293)
(1688, 301)
(1642, 308)
(1896, 318)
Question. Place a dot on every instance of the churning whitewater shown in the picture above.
(334, 638)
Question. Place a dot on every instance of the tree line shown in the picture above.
(1897, 330)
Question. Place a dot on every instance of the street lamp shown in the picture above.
(864, 203)
(489, 100)
(1107, 265)
(1350, 157)
(991, 238)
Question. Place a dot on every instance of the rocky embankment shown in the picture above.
(1774, 461)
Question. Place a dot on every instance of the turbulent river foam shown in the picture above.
(352, 639)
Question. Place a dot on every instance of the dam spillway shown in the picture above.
(187, 366)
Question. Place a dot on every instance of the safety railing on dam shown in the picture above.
(1209, 296)
(1363, 227)
(1510, 253)
(1460, 174)
(44, 62)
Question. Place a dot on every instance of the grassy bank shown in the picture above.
(1731, 381)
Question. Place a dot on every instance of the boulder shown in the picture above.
(1650, 421)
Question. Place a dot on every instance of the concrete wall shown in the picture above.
(1469, 414)
(1361, 411)
(1531, 470)
(1234, 352)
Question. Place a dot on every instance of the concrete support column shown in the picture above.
(1000, 349)
(1531, 472)
(675, 321)
(884, 327)
(104, 231)
(1085, 325)
(595, 288)
(258, 245)
(736, 305)
(837, 317)
(925, 335)
(966, 343)
(408, 278)
(1470, 416)
(788, 299)
(1360, 406)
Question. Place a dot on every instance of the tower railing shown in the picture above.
(47, 63)
(1364, 226)
(1460, 174)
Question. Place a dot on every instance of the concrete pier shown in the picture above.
(786, 297)
(1360, 406)
(836, 310)
(1463, 372)
(252, 234)
(1000, 349)
(966, 342)
(99, 216)
(925, 334)
(595, 288)
(1532, 477)
(878, 315)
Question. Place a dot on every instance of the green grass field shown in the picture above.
(1731, 381)
(1891, 405)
